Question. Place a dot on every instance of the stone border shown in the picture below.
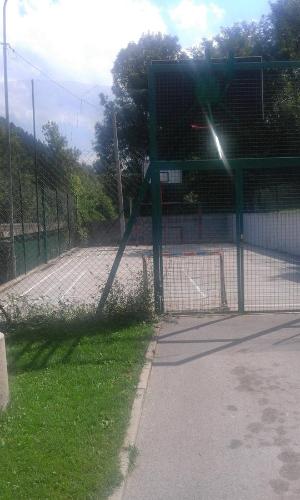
(4, 391)
(136, 413)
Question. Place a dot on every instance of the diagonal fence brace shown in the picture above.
(123, 243)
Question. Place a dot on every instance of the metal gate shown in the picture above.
(226, 227)
(200, 266)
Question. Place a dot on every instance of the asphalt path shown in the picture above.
(221, 417)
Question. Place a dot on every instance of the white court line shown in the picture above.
(43, 279)
(285, 306)
(73, 284)
(204, 295)
(50, 274)
(65, 275)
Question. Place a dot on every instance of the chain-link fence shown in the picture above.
(61, 228)
(226, 164)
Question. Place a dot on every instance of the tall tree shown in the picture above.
(130, 90)
(285, 19)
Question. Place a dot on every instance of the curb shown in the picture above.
(135, 417)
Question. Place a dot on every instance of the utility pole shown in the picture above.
(36, 169)
(118, 173)
(8, 155)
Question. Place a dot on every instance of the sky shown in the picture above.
(76, 43)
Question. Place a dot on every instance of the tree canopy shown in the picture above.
(274, 37)
(59, 168)
(131, 105)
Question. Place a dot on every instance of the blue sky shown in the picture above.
(230, 11)
(76, 42)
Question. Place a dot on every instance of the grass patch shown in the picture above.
(72, 387)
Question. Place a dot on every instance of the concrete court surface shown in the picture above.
(221, 418)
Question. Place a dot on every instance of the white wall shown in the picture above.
(273, 230)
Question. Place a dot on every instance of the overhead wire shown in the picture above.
(79, 98)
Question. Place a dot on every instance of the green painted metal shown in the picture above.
(58, 222)
(156, 201)
(45, 239)
(206, 92)
(33, 257)
(68, 217)
(123, 243)
(152, 115)
(22, 222)
(239, 237)
(192, 66)
(157, 241)
(272, 162)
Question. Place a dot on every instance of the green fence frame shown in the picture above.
(237, 164)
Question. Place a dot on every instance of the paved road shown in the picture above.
(221, 419)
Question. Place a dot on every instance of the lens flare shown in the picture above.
(218, 144)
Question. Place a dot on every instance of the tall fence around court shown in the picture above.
(44, 225)
(232, 129)
(61, 228)
(215, 223)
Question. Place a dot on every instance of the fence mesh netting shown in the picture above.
(58, 247)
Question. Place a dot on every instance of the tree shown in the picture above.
(93, 204)
(130, 88)
(285, 18)
(63, 158)
(276, 36)
(59, 168)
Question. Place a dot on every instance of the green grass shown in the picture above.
(71, 395)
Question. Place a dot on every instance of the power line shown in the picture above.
(81, 99)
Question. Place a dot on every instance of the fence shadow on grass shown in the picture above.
(38, 347)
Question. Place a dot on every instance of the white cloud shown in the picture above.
(188, 14)
(79, 40)
(196, 16)
(217, 11)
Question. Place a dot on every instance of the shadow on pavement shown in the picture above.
(230, 343)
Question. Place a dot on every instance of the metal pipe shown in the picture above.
(69, 221)
(36, 168)
(57, 220)
(44, 222)
(118, 172)
(10, 173)
(22, 222)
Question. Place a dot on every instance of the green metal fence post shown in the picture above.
(36, 169)
(58, 224)
(76, 238)
(22, 222)
(239, 237)
(69, 222)
(157, 239)
(44, 222)
(156, 200)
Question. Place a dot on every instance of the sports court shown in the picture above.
(216, 223)
(197, 278)
(208, 282)
(76, 278)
